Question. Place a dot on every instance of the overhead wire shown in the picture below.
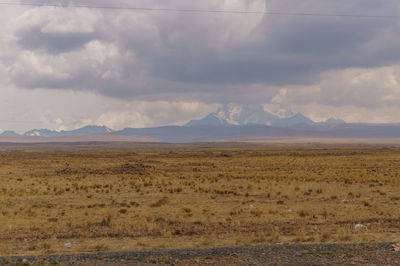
(204, 11)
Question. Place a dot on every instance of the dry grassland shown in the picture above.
(117, 199)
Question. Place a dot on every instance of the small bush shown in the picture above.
(303, 213)
(160, 202)
(106, 221)
(256, 213)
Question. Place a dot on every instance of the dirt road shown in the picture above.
(320, 254)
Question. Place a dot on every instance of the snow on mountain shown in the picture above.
(281, 112)
(41, 133)
(241, 115)
(9, 133)
(297, 119)
(87, 131)
(210, 120)
(84, 131)
(250, 118)
(246, 115)
(333, 122)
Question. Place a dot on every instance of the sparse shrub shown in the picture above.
(324, 214)
(343, 235)
(135, 204)
(46, 246)
(325, 236)
(100, 247)
(106, 221)
(32, 248)
(274, 238)
(303, 213)
(159, 220)
(187, 210)
(160, 202)
(256, 213)
(235, 212)
(259, 240)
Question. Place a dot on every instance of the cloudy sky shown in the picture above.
(62, 68)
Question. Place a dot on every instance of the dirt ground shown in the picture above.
(316, 254)
(91, 198)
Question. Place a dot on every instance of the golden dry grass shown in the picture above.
(116, 199)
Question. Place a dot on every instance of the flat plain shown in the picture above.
(89, 198)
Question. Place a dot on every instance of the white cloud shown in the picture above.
(63, 68)
(362, 94)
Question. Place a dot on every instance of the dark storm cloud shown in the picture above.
(292, 51)
(166, 52)
(35, 39)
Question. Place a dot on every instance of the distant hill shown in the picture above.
(41, 133)
(87, 131)
(210, 120)
(205, 133)
(215, 133)
(333, 122)
(297, 119)
(199, 133)
(84, 131)
(230, 122)
(243, 115)
(9, 133)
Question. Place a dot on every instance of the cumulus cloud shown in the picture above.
(360, 87)
(161, 52)
(22, 110)
(296, 62)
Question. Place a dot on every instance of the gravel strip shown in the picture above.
(293, 254)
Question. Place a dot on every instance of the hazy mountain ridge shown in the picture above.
(84, 131)
(240, 115)
(9, 133)
(233, 122)
(243, 115)
(211, 120)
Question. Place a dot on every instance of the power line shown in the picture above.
(177, 10)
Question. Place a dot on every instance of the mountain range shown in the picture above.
(239, 115)
(233, 122)
(84, 131)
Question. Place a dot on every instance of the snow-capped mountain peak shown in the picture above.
(41, 133)
(246, 114)
(84, 131)
(297, 119)
(211, 120)
(334, 122)
(9, 133)
(242, 115)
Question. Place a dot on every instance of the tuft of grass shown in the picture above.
(303, 213)
(106, 221)
(160, 202)
(121, 196)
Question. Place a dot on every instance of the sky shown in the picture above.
(63, 68)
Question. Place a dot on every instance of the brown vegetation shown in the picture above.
(118, 199)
